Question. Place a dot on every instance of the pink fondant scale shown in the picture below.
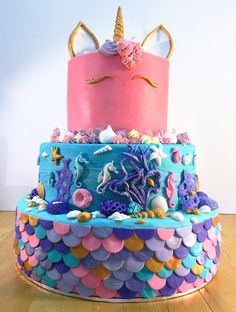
(121, 101)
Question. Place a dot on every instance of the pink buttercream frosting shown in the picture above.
(183, 138)
(69, 138)
(130, 53)
(55, 135)
(119, 139)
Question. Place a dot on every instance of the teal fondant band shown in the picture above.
(154, 223)
(91, 170)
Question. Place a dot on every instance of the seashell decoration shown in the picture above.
(73, 214)
(40, 190)
(152, 213)
(84, 216)
(160, 202)
(205, 209)
(44, 155)
(103, 150)
(107, 135)
(178, 216)
(186, 160)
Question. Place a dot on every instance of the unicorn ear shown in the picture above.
(159, 42)
(82, 40)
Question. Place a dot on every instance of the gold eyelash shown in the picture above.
(99, 79)
(152, 83)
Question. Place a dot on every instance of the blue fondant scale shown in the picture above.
(104, 222)
(96, 164)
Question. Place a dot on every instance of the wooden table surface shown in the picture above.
(19, 295)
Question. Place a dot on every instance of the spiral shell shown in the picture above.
(152, 213)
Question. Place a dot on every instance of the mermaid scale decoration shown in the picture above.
(135, 184)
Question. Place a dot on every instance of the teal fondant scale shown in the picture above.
(96, 164)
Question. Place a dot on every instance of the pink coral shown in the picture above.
(119, 139)
(82, 198)
(130, 53)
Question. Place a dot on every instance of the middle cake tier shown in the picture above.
(126, 173)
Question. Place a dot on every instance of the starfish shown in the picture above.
(157, 154)
(56, 156)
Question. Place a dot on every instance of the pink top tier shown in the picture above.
(121, 101)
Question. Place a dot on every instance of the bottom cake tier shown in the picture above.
(116, 261)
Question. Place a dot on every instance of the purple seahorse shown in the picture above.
(170, 189)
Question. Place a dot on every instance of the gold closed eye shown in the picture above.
(149, 80)
(99, 79)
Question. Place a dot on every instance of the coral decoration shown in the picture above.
(55, 135)
(133, 184)
(183, 138)
(108, 207)
(204, 200)
(187, 191)
(119, 139)
(64, 182)
(82, 198)
(130, 53)
(134, 208)
(176, 155)
(170, 188)
(57, 208)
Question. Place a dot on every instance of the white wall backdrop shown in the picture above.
(33, 76)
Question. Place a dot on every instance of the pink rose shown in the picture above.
(130, 52)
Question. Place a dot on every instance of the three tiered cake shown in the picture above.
(118, 213)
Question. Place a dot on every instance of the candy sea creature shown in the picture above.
(118, 216)
(56, 207)
(84, 216)
(73, 214)
(108, 207)
(40, 190)
(157, 154)
(159, 202)
(133, 208)
(78, 172)
(187, 159)
(152, 213)
(105, 176)
(105, 149)
(107, 135)
(82, 198)
(178, 216)
(176, 155)
(56, 156)
(52, 179)
(55, 135)
(170, 188)
(44, 155)
(135, 170)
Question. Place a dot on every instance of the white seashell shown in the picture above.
(159, 202)
(73, 214)
(97, 214)
(107, 135)
(41, 208)
(205, 209)
(29, 209)
(178, 216)
(195, 160)
(187, 159)
(194, 220)
(38, 200)
(117, 216)
(44, 155)
(103, 150)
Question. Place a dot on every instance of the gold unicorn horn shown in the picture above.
(119, 26)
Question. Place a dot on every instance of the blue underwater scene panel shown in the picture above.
(94, 164)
